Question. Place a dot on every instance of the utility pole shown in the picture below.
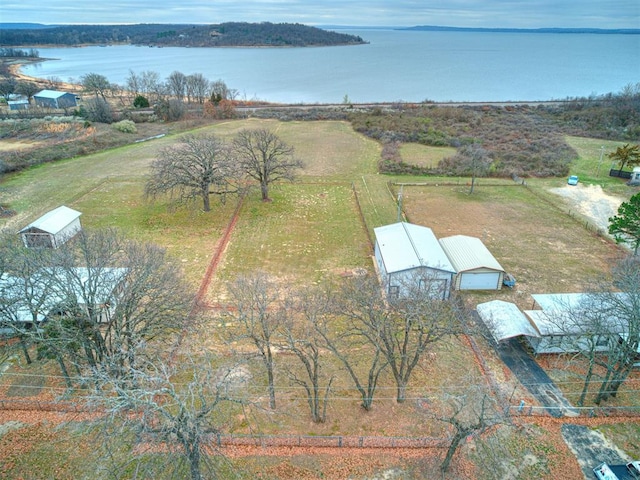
(400, 203)
(600, 161)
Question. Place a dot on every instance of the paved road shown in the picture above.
(534, 378)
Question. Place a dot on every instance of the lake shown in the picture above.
(395, 65)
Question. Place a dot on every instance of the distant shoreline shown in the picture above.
(597, 31)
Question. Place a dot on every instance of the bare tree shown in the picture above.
(105, 300)
(134, 83)
(257, 309)
(97, 84)
(471, 412)
(603, 328)
(197, 87)
(197, 167)
(182, 418)
(177, 84)
(350, 339)
(264, 157)
(301, 338)
(403, 329)
(151, 85)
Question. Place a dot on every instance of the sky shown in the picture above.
(457, 13)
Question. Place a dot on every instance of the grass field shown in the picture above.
(314, 229)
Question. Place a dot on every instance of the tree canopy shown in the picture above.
(625, 226)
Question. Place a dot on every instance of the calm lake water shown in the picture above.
(395, 65)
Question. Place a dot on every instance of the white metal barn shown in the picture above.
(52, 229)
(476, 267)
(407, 253)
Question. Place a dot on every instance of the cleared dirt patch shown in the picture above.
(591, 202)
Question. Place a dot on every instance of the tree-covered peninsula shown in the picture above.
(231, 34)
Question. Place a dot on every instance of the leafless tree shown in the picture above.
(177, 84)
(264, 157)
(198, 166)
(174, 421)
(105, 300)
(345, 341)
(197, 87)
(257, 310)
(403, 329)
(300, 337)
(471, 412)
(151, 85)
(220, 91)
(603, 328)
(134, 83)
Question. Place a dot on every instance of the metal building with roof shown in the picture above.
(52, 229)
(407, 254)
(476, 267)
(54, 99)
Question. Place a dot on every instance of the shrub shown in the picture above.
(141, 102)
(125, 126)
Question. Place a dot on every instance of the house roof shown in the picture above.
(54, 221)
(505, 320)
(50, 94)
(469, 253)
(404, 246)
(575, 301)
(50, 287)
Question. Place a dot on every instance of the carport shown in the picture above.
(505, 320)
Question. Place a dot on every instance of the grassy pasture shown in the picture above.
(547, 251)
(312, 229)
(424, 155)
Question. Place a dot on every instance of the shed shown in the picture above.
(52, 229)
(406, 254)
(18, 104)
(476, 267)
(55, 99)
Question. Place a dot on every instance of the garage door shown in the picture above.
(479, 281)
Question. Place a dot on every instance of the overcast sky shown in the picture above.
(458, 13)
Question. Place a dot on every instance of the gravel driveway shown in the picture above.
(591, 202)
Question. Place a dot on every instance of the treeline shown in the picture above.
(19, 53)
(216, 35)
(614, 116)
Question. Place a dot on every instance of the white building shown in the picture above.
(476, 267)
(407, 253)
(52, 229)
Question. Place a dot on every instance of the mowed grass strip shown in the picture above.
(308, 232)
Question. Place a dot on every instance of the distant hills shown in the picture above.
(433, 28)
(231, 34)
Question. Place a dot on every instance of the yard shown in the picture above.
(320, 227)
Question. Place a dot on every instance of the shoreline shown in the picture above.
(14, 66)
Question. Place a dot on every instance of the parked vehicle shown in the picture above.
(603, 472)
(634, 468)
(509, 280)
(573, 180)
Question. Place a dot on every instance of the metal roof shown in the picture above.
(469, 253)
(54, 221)
(505, 320)
(50, 94)
(404, 246)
